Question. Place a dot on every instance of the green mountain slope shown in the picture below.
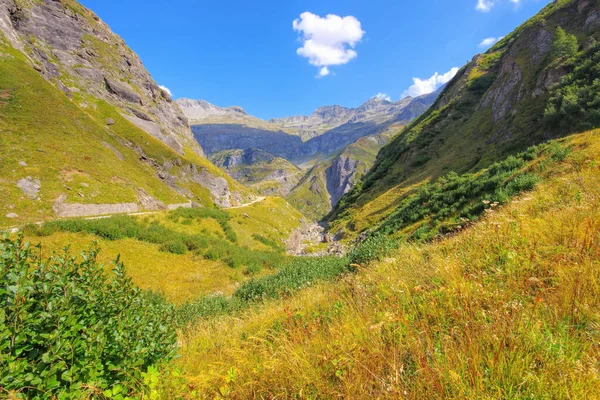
(494, 107)
(80, 152)
(261, 171)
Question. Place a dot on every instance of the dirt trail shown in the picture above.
(16, 229)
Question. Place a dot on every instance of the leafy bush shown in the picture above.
(565, 45)
(68, 328)
(297, 273)
(575, 101)
(453, 200)
(174, 246)
(373, 248)
(190, 214)
(121, 227)
(268, 242)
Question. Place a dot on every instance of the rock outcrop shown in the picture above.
(340, 177)
(71, 47)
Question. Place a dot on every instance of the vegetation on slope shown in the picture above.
(68, 329)
(493, 108)
(184, 253)
(505, 309)
(67, 146)
(310, 195)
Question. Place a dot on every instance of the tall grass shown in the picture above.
(297, 273)
(508, 308)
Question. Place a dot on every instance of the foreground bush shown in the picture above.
(68, 329)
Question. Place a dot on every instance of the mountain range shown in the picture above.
(316, 143)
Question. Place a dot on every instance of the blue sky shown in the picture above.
(245, 53)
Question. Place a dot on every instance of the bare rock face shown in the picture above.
(68, 210)
(64, 39)
(339, 177)
(508, 89)
(148, 202)
(30, 187)
(217, 186)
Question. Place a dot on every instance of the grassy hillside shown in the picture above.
(507, 308)
(65, 147)
(183, 253)
(497, 105)
(310, 195)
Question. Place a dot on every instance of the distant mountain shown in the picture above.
(330, 117)
(341, 147)
(269, 175)
(201, 112)
(299, 138)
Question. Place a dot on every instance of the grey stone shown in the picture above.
(122, 90)
(30, 187)
(67, 210)
(12, 215)
(110, 121)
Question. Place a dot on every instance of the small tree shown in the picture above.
(565, 45)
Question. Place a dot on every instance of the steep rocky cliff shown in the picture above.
(263, 172)
(84, 128)
(495, 106)
(72, 48)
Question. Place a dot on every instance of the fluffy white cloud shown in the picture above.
(487, 42)
(487, 5)
(327, 41)
(426, 86)
(382, 96)
(166, 89)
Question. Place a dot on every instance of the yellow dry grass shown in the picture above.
(179, 277)
(509, 308)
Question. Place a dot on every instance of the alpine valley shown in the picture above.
(311, 161)
(441, 246)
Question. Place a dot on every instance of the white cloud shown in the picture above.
(426, 86)
(324, 71)
(382, 96)
(166, 89)
(487, 5)
(327, 41)
(487, 42)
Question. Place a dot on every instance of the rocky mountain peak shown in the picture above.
(72, 48)
(199, 110)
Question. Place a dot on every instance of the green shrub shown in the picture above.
(373, 248)
(298, 273)
(68, 328)
(565, 45)
(190, 214)
(443, 205)
(268, 242)
(574, 104)
(174, 246)
(121, 227)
